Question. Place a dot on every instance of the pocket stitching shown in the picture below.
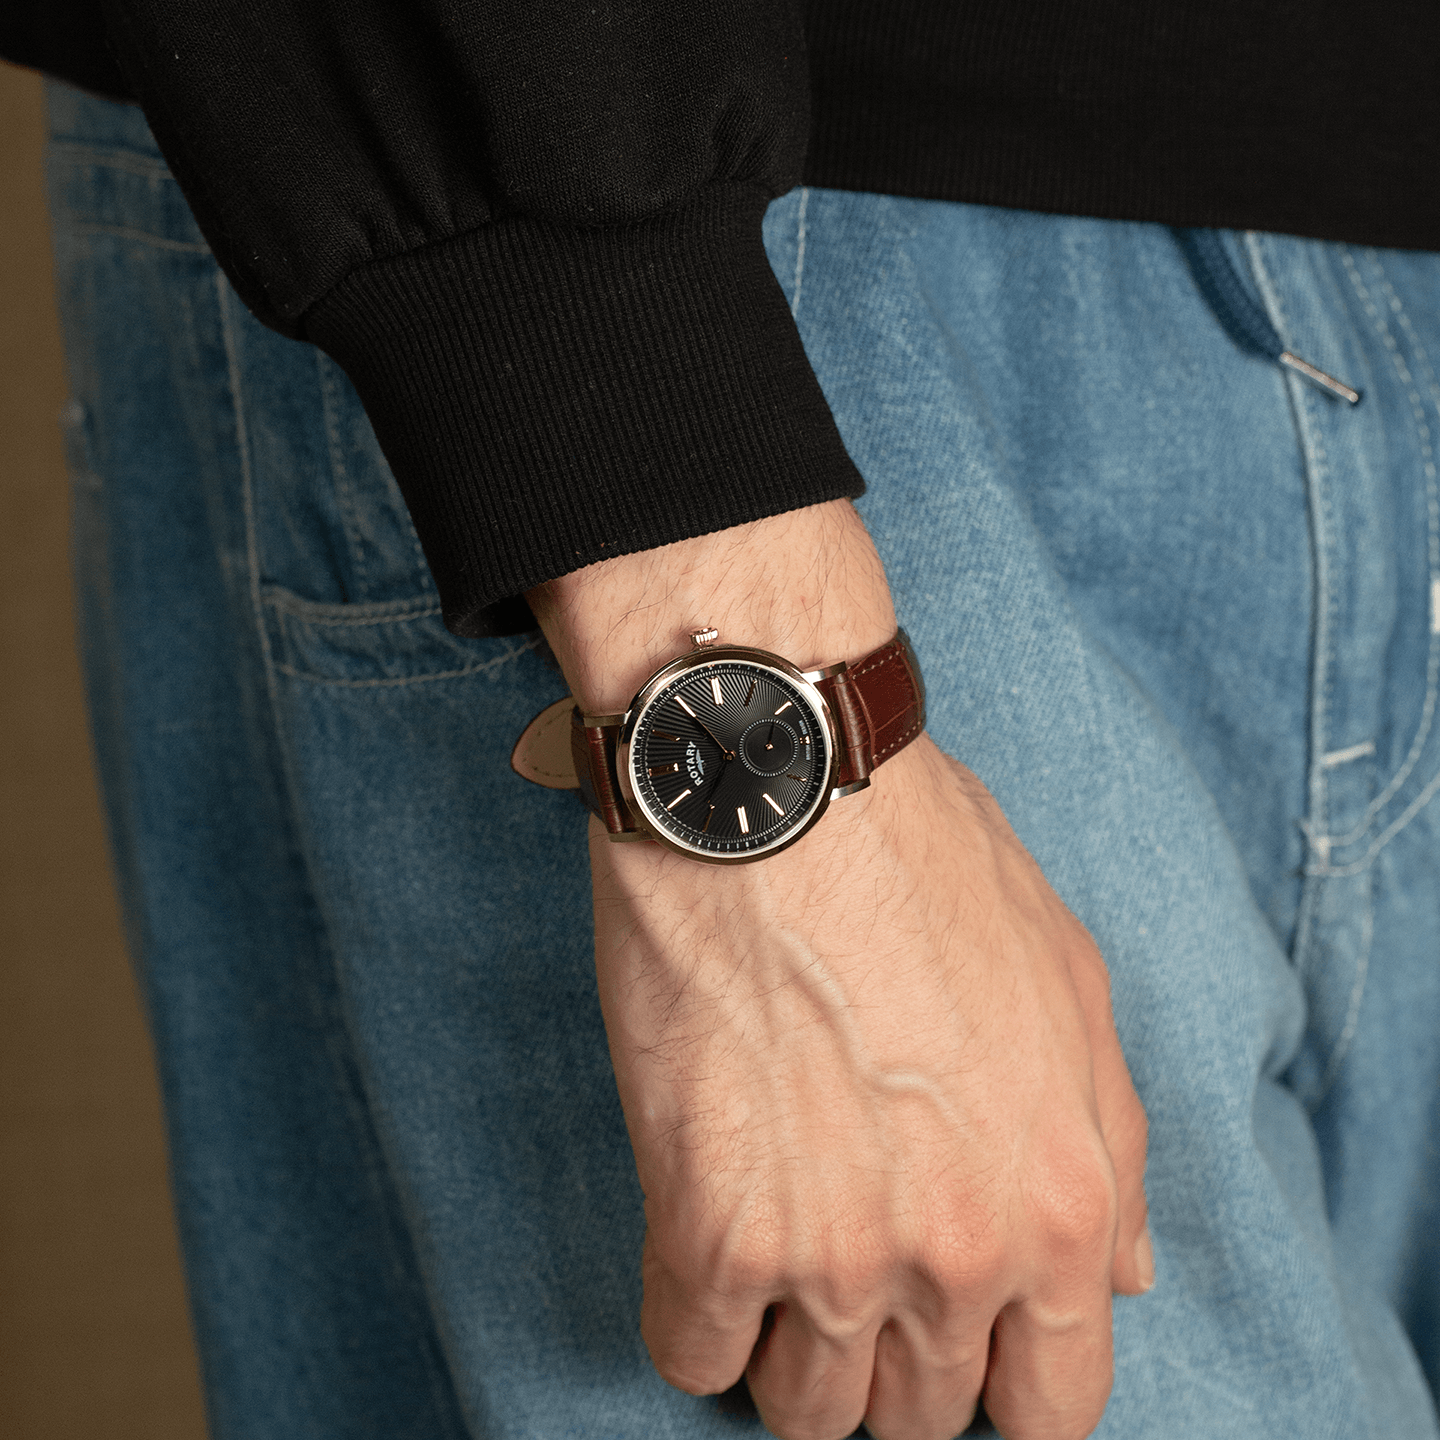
(494, 663)
(321, 613)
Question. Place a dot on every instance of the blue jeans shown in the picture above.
(1178, 611)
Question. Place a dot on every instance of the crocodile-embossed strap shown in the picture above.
(878, 705)
(879, 708)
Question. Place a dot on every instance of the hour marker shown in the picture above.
(743, 817)
(716, 691)
(664, 735)
(784, 707)
(765, 796)
(708, 818)
(677, 799)
(750, 693)
(804, 739)
(800, 778)
(672, 769)
(680, 701)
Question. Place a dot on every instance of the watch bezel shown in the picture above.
(699, 660)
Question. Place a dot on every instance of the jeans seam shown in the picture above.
(247, 487)
(1384, 838)
(1432, 669)
(384, 682)
(800, 233)
(1336, 1059)
(422, 571)
(143, 237)
(145, 166)
(339, 475)
(1316, 466)
(332, 617)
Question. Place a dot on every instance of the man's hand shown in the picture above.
(890, 1151)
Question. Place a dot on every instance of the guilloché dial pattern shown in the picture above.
(729, 758)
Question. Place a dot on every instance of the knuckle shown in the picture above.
(728, 1260)
(745, 1271)
(1075, 1207)
(967, 1265)
(839, 1320)
(839, 1298)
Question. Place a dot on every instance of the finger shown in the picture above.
(699, 1342)
(1122, 1124)
(808, 1385)
(926, 1382)
(1051, 1368)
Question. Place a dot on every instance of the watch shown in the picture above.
(729, 754)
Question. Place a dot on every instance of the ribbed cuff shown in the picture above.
(549, 396)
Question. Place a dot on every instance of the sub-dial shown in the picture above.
(768, 747)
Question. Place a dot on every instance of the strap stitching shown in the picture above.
(906, 737)
(893, 653)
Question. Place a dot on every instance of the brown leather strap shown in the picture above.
(593, 748)
(879, 708)
(878, 704)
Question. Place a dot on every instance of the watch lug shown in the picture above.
(602, 722)
(829, 672)
(842, 790)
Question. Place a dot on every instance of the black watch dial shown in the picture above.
(730, 758)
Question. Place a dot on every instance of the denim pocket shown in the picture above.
(384, 643)
(114, 190)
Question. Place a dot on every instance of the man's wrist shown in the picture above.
(807, 585)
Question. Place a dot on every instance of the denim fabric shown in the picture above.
(1177, 609)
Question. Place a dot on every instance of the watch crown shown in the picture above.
(700, 638)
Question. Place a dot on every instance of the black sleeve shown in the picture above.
(65, 38)
(529, 230)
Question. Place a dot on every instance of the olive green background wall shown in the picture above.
(94, 1335)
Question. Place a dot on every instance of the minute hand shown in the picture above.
(728, 754)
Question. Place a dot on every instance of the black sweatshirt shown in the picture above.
(529, 230)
